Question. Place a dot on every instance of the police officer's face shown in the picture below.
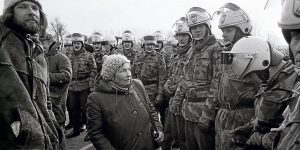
(198, 31)
(127, 45)
(183, 39)
(27, 16)
(68, 47)
(105, 48)
(295, 46)
(97, 46)
(159, 45)
(123, 76)
(77, 45)
(228, 33)
(149, 47)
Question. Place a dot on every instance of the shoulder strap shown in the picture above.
(141, 92)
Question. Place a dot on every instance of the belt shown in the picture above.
(195, 100)
(149, 82)
(236, 106)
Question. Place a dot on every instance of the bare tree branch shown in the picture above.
(58, 29)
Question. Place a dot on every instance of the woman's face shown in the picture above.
(123, 76)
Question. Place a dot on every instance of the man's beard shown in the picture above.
(27, 26)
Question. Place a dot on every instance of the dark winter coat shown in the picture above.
(23, 94)
(118, 119)
(60, 74)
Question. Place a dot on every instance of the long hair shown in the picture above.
(7, 19)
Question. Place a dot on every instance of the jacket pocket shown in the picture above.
(151, 69)
(31, 134)
(201, 69)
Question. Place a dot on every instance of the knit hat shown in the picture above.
(11, 3)
(112, 64)
(54, 45)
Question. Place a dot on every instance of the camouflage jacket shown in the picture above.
(198, 89)
(290, 136)
(99, 61)
(236, 102)
(130, 54)
(84, 71)
(271, 99)
(150, 68)
(176, 72)
(167, 57)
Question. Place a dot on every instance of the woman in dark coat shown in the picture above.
(119, 111)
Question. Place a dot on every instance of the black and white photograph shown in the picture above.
(149, 74)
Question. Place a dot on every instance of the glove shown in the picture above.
(244, 130)
(255, 140)
(239, 136)
(166, 90)
(205, 124)
(177, 111)
(235, 140)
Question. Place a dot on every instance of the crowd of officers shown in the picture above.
(232, 93)
(210, 94)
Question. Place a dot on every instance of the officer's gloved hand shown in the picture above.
(177, 110)
(255, 140)
(239, 136)
(236, 139)
(166, 90)
(205, 124)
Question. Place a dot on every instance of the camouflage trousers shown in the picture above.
(174, 132)
(229, 120)
(197, 138)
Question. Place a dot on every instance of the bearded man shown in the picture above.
(26, 119)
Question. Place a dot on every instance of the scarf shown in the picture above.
(199, 45)
(183, 49)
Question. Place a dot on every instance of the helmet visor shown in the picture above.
(240, 63)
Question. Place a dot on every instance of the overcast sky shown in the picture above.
(147, 16)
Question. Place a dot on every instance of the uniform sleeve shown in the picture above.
(64, 72)
(162, 73)
(93, 70)
(179, 95)
(209, 111)
(136, 68)
(95, 126)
